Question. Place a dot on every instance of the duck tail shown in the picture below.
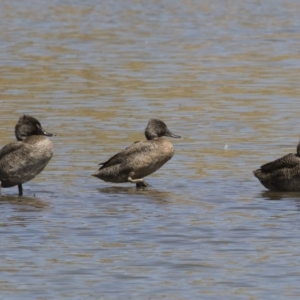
(258, 173)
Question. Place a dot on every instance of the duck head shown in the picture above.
(27, 126)
(157, 128)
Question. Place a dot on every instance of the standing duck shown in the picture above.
(141, 158)
(282, 174)
(21, 161)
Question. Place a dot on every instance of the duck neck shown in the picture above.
(150, 136)
(18, 134)
(298, 149)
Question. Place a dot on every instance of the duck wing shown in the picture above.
(119, 157)
(288, 161)
(9, 148)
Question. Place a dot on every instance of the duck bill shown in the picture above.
(170, 134)
(44, 132)
(48, 133)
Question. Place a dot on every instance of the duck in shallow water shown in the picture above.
(282, 174)
(21, 161)
(141, 158)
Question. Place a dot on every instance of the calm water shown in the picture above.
(218, 73)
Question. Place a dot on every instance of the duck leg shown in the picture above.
(20, 189)
(139, 182)
(0, 187)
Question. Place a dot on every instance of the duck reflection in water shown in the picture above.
(141, 158)
(25, 203)
(21, 161)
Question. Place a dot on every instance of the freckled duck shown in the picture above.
(141, 158)
(22, 160)
(282, 174)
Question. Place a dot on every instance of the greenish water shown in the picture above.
(218, 73)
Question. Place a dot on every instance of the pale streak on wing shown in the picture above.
(137, 147)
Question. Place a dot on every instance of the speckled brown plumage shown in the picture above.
(141, 158)
(283, 174)
(21, 161)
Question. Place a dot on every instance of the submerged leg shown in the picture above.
(139, 182)
(20, 189)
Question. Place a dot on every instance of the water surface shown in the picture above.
(222, 74)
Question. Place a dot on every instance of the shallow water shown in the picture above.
(222, 74)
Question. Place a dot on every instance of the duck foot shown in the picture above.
(140, 185)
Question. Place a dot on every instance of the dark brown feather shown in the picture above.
(288, 161)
